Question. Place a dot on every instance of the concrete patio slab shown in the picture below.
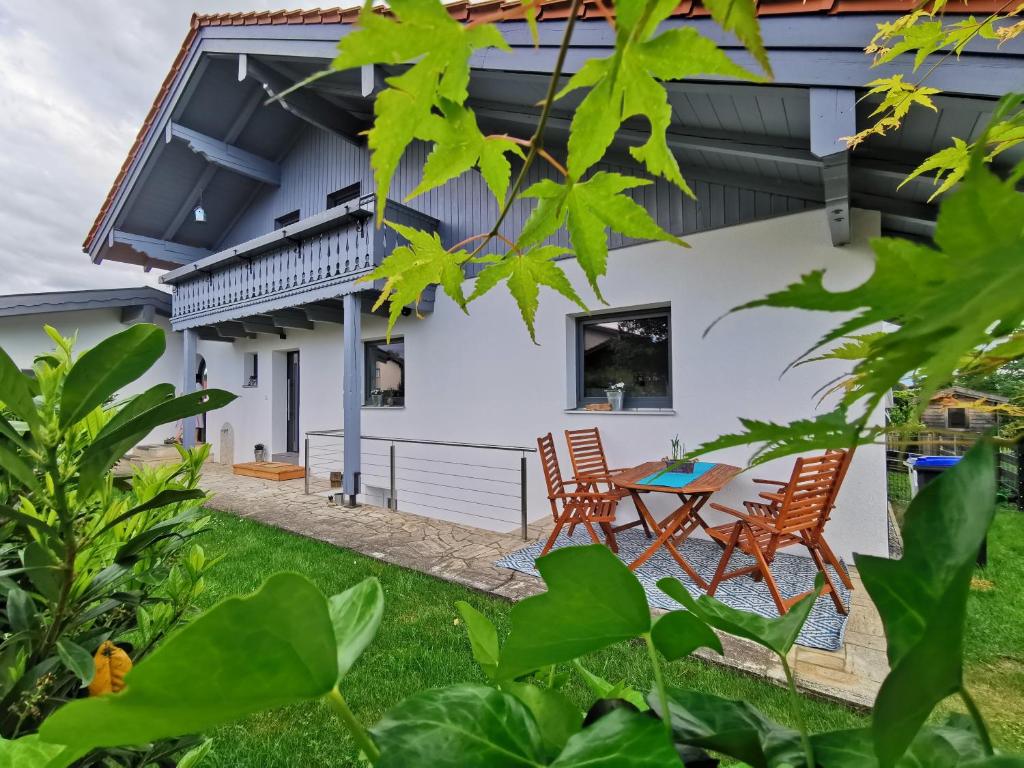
(466, 555)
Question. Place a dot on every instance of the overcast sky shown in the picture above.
(76, 80)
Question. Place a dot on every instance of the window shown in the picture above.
(385, 373)
(343, 195)
(633, 348)
(287, 220)
(956, 418)
(250, 370)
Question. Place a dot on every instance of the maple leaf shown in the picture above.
(440, 47)
(524, 273)
(460, 145)
(740, 18)
(628, 84)
(586, 209)
(410, 269)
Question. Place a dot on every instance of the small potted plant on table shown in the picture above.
(674, 461)
(616, 393)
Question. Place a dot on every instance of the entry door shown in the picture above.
(292, 400)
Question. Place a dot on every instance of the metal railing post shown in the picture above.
(393, 497)
(522, 494)
(306, 475)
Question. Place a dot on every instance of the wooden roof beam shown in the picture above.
(225, 155)
(164, 251)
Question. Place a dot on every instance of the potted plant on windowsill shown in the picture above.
(616, 393)
(376, 398)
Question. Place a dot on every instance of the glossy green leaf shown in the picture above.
(734, 728)
(778, 635)
(950, 745)
(77, 660)
(459, 726)
(410, 269)
(16, 390)
(483, 638)
(525, 273)
(922, 597)
(620, 739)
(195, 756)
(605, 689)
(680, 633)
(140, 403)
(109, 366)
(21, 610)
(355, 614)
(15, 466)
(740, 18)
(556, 717)
(165, 498)
(273, 648)
(24, 518)
(32, 752)
(43, 569)
(593, 601)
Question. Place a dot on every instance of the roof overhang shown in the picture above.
(132, 301)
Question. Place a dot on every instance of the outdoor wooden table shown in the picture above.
(677, 527)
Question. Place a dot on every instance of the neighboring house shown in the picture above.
(91, 315)
(958, 408)
(265, 285)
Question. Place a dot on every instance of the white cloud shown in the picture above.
(78, 79)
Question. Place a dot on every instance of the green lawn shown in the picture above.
(419, 646)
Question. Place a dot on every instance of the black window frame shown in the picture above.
(966, 422)
(344, 195)
(287, 219)
(368, 369)
(634, 401)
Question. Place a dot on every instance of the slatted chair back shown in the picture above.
(552, 472)
(810, 495)
(586, 453)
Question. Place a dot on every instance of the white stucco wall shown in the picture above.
(480, 379)
(23, 338)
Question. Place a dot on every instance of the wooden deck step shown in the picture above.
(270, 470)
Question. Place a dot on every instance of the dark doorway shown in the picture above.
(292, 401)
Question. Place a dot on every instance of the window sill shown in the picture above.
(250, 386)
(383, 407)
(626, 412)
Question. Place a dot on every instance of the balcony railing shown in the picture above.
(316, 258)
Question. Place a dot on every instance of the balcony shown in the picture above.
(312, 261)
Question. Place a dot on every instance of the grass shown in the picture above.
(419, 646)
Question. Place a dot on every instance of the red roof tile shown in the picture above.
(486, 10)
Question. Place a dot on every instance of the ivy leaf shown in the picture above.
(483, 638)
(77, 660)
(680, 633)
(460, 145)
(922, 598)
(409, 269)
(440, 46)
(740, 18)
(627, 84)
(525, 273)
(586, 209)
(557, 718)
(620, 739)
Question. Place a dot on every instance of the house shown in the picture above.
(263, 218)
(91, 316)
(958, 408)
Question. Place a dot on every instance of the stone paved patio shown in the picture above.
(466, 555)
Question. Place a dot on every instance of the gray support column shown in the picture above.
(188, 383)
(352, 395)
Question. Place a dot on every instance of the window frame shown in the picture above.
(344, 195)
(967, 419)
(287, 219)
(629, 402)
(368, 370)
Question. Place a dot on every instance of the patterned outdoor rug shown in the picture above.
(794, 574)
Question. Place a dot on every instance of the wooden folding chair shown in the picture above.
(795, 515)
(580, 507)
(590, 470)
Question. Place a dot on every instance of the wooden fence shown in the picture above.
(899, 448)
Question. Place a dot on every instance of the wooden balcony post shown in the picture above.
(352, 396)
(188, 384)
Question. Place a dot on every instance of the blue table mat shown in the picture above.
(676, 479)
